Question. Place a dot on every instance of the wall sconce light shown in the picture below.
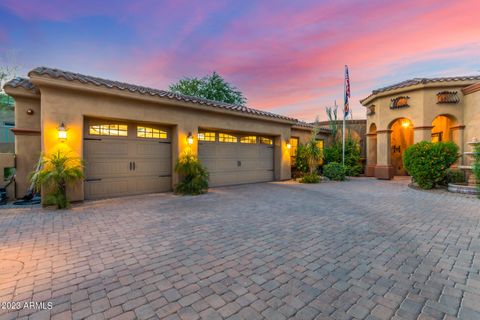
(190, 138)
(29, 111)
(62, 132)
(406, 123)
(289, 146)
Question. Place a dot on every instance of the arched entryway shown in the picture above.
(371, 150)
(442, 128)
(401, 138)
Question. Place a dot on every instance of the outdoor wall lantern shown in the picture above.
(289, 146)
(406, 123)
(62, 132)
(190, 138)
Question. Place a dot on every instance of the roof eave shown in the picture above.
(47, 81)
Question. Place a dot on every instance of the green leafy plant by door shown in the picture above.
(308, 157)
(428, 162)
(194, 176)
(57, 171)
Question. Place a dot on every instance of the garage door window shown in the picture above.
(248, 139)
(223, 137)
(151, 133)
(206, 136)
(264, 140)
(120, 130)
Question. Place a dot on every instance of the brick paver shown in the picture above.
(362, 249)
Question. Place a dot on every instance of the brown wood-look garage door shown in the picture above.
(230, 163)
(120, 163)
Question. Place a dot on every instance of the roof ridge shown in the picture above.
(72, 76)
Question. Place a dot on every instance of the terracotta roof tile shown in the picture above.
(70, 76)
(415, 81)
(21, 82)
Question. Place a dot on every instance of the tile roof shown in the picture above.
(21, 82)
(304, 124)
(415, 81)
(70, 76)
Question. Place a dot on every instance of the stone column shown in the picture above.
(423, 133)
(371, 154)
(384, 169)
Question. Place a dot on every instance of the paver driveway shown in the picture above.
(359, 249)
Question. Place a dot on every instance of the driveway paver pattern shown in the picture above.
(362, 249)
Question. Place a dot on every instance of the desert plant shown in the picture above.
(57, 171)
(310, 178)
(308, 157)
(333, 153)
(334, 171)
(428, 162)
(301, 161)
(194, 176)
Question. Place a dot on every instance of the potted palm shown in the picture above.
(57, 171)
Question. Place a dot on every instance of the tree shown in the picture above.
(212, 87)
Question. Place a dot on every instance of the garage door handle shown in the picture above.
(133, 165)
(239, 163)
(90, 180)
(130, 165)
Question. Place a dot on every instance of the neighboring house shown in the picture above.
(131, 136)
(421, 109)
(7, 122)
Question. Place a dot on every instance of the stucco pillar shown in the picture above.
(458, 137)
(383, 169)
(180, 145)
(371, 154)
(282, 167)
(423, 133)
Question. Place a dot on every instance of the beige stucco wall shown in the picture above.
(72, 105)
(423, 109)
(472, 120)
(7, 160)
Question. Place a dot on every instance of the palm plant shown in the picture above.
(57, 170)
(194, 176)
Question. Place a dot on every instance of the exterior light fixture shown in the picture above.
(190, 138)
(62, 132)
(289, 146)
(406, 123)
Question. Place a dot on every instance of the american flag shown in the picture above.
(346, 108)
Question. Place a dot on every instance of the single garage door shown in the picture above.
(235, 158)
(126, 159)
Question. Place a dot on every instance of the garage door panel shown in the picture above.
(221, 161)
(106, 148)
(110, 171)
(106, 168)
(107, 188)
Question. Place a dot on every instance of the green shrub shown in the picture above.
(194, 176)
(454, 176)
(476, 166)
(428, 162)
(334, 171)
(352, 155)
(58, 170)
(310, 178)
(301, 161)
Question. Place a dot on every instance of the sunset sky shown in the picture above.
(286, 56)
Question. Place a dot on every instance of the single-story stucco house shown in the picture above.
(420, 109)
(130, 136)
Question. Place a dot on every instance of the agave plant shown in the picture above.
(57, 170)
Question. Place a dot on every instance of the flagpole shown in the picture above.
(343, 130)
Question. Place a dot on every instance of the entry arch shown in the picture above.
(401, 137)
